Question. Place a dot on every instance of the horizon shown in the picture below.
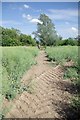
(24, 16)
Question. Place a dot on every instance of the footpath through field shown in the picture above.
(47, 94)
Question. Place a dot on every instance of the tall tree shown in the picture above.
(46, 32)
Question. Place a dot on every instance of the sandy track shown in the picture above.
(49, 92)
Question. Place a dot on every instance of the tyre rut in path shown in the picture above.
(47, 93)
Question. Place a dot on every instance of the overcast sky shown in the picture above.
(24, 16)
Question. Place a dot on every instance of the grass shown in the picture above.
(15, 61)
(71, 72)
(62, 54)
(0, 83)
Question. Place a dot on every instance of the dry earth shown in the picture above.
(48, 93)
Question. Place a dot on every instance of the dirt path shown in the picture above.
(48, 93)
(38, 69)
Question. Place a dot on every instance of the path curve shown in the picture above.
(47, 92)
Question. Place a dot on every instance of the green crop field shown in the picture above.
(15, 61)
(63, 53)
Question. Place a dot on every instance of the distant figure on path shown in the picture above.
(38, 46)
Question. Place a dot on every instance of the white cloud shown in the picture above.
(63, 14)
(28, 17)
(26, 6)
(32, 20)
(36, 21)
(71, 12)
(74, 29)
(66, 31)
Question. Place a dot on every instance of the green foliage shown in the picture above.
(27, 40)
(13, 37)
(15, 61)
(76, 103)
(69, 41)
(10, 37)
(71, 73)
(62, 54)
(46, 32)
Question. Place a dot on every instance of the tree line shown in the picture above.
(45, 35)
(13, 37)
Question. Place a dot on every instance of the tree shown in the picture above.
(10, 37)
(69, 41)
(46, 32)
(27, 40)
(13, 37)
